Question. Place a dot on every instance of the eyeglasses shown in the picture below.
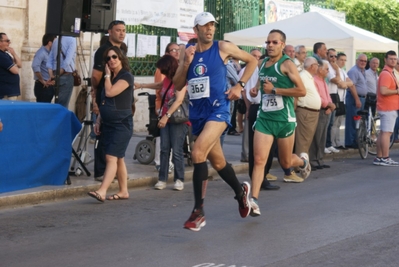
(174, 50)
(7, 41)
(273, 42)
(331, 56)
(317, 64)
(113, 57)
(362, 60)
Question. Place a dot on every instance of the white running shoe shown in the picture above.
(305, 171)
(160, 185)
(333, 149)
(179, 185)
(255, 211)
(327, 151)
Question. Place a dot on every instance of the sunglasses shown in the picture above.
(115, 22)
(174, 50)
(331, 56)
(273, 42)
(7, 41)
(113, 57)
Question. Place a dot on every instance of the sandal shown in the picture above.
(116, 197)
(96, 195)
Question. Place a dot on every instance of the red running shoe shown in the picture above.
(243, 203)
(196, 221)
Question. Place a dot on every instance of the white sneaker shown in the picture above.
(160, 185)
(305, 171)
(179, 185)
(255, 211)
(327, 151)
(333, 149)
(388, 162)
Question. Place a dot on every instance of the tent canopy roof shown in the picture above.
(312, 27)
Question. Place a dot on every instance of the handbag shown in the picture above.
(181, 113)
(76, 77)
(340, 108)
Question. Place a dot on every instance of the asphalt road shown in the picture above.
(344, 216)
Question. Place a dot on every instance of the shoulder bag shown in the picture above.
(181, 113)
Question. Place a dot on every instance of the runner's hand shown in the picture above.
(234, 92)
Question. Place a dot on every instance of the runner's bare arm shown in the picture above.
(288, 68)
(186, 57)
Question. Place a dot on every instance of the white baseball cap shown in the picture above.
(203, 18)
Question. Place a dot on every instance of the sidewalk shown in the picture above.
(139, 175)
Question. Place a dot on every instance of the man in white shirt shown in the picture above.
(334, 82)
(339, 120)
(307, 109)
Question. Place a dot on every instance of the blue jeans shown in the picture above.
(94, 119)
(329, 126)
(65, 89)
(172, 137)
(350, 125)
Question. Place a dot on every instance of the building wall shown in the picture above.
(24, 22)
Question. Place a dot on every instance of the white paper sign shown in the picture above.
(130, 41)
(146, 45)
(165, 40)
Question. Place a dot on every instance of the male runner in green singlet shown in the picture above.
(279, 82)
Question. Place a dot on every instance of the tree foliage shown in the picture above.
(378, 16)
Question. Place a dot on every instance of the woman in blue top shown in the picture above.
(116, 117)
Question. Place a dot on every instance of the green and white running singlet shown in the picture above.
(276, 107)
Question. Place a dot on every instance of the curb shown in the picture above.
(73, 192)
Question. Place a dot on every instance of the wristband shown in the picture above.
(107, 76)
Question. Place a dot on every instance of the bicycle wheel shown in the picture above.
(362, 139)
(372, 140)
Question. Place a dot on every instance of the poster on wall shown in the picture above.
(187, 12)
(158, 13)
(334, 14)
(277, 10)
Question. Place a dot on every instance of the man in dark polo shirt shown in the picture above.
(10, 64)
(117, 33)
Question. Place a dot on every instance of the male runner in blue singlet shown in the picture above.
(203, 67)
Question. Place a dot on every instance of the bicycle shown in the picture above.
(368, 128)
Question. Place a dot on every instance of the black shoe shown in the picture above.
(319, 167)
(244, 160)
(314, 168)
(341, 148)
(270, 187)
(325, 166)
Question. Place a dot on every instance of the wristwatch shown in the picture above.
(241, 83)
(274, 90)
(168, 115)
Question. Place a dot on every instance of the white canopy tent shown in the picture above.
(309, 28)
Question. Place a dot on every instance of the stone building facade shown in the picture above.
(24, 22)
